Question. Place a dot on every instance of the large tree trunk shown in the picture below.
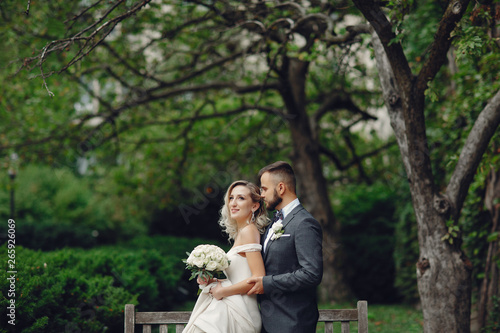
(443, 273)
(312, 187)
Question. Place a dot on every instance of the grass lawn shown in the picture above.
(384, 318)
(381, 318)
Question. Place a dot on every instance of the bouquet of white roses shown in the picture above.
(206, 261)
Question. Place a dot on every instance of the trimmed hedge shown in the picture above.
(77, 290)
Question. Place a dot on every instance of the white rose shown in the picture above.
(211, 266)
(198, 262)
(210, 257)
(200, 249)
(221, 265)
(277, 226)
(190, 260)
(194, 252)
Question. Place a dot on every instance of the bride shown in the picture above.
(223, 306)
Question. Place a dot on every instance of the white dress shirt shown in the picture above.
(285, 211)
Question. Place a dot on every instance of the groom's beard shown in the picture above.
(271, 205)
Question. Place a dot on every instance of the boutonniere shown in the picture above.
(277, 229)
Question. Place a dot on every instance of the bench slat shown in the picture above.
(129, 318)
(338, 315)
(363, 316)
(180, 318)
(162, 317)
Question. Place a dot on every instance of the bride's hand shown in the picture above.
(217, 291)
(201, 281)
(205, 282)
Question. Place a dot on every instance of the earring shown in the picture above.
(253, 216)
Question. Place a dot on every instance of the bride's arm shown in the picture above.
(255, 262)
(241, 288)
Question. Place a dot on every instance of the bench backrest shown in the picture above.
(180, 319)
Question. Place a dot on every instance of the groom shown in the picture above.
(292, 257)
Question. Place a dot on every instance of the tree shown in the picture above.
(203, 61)
(443, 270)
(489, 286)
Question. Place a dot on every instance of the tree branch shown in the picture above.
(475, 146)
(128, 66)
(392, 99)
(441, 44)
(173, 33)
(198, 117)
(356, 160)
(336, 102)
(395, 54)
(331, 155)
(89, 41)
(352, 33)
(208, 67)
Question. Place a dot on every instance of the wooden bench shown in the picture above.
(179, 319)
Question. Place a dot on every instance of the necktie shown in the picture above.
(278, 215)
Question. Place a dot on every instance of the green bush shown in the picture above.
(54, 209)
(175, 248)
(493, 324)
(366, 214)
(61, 292)
(406, 247)
(170, 245)
(78, 290)
(406, 251)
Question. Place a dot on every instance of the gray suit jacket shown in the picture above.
(294, 268)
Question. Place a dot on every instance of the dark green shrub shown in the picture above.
(175, 248)
(78, 290)
(75, 289)
(406, 247)
(406, 251)
(57, 292)
(367, 217)
(54, 209)
(493, 324)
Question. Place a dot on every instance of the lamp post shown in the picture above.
(12, 175)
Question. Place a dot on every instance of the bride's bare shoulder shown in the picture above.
(249, 234)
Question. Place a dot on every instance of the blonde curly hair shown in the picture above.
(229, 225)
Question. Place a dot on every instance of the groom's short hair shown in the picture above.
(282, 172)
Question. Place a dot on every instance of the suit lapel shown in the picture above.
(287, 220)
(291, 215)
(263, 241)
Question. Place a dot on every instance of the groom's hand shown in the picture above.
(258, 287)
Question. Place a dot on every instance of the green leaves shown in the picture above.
(66, 288)
(431, 94)
(452, 233)
(493, 237)
(55, 28)
(469, 45)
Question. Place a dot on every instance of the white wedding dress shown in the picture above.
(233, 314)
